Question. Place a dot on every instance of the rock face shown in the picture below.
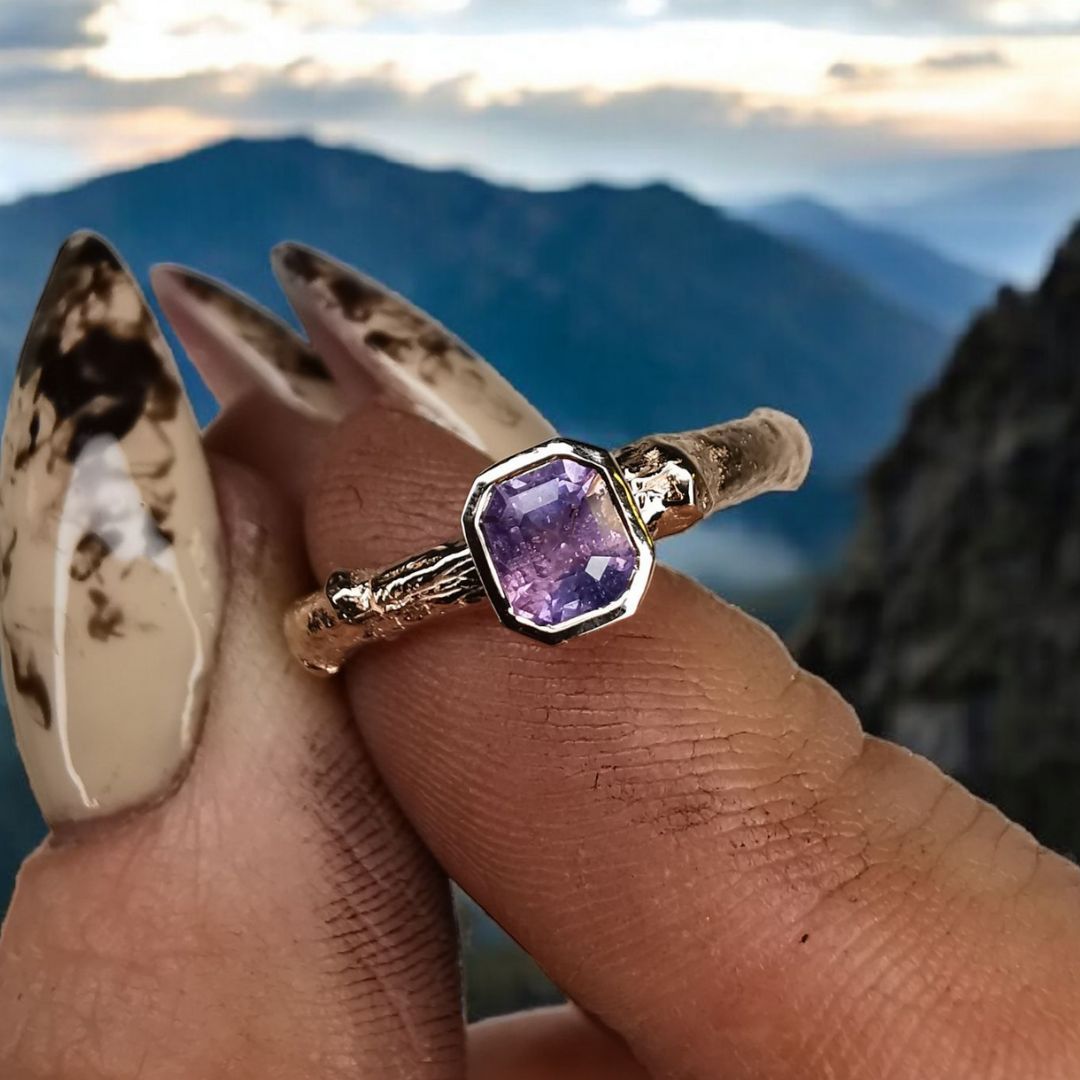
(954, 626)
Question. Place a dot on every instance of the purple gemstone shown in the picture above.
(557, 542)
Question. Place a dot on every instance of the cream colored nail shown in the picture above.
(237, 344)
(113, 572)
(352, 319)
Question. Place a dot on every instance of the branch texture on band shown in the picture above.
(558, 538)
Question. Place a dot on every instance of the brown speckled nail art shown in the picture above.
(407, 353)
(236, 343)
(112, 571)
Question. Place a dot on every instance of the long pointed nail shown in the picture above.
(357, 324)
(236, 344)
(112, 576)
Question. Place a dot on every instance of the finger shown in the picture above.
(108, 514)
(278, 399)
(366, 331)
(269, 436)
(246, 919)
(238, 345)
(693, 836)
(254, 923)
(558, 1043)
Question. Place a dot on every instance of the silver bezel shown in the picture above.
(605, 464)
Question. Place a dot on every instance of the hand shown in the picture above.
(692, 836)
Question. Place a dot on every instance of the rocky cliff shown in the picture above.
(954, 626)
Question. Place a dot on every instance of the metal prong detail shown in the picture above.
(678, 480)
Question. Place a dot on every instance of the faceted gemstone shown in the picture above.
(558, 544)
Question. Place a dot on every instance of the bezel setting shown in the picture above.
(604, 463)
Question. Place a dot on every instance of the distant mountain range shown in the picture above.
(1002, 213)
(619, 311)
(904, 271)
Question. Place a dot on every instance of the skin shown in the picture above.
(691, 835)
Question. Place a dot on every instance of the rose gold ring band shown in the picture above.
(667, 482)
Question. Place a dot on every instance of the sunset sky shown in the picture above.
(727, 97)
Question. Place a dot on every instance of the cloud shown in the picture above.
(948, 16)
(848, 71)
(498, 112)
(862, 76)
(211, 24)
(718, 143)
(57, 24)
(853, 76)
(45, 24)
(300, 14)
(969, 60)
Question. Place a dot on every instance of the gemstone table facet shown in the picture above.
(557, 542)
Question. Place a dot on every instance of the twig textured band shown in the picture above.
(559, 538)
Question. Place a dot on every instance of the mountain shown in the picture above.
(619, 311)
(954, 626)
(1002, 213)
(904, 271)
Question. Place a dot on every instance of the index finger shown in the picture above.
(692, 835)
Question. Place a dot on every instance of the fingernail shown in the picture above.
(357, 324)
(238, 345)
(112, 573)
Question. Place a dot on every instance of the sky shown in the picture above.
(729, 98)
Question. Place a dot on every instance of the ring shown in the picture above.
(558, 538)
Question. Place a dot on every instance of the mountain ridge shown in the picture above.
(1004, 213)
(901, 268)
(617, 309)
